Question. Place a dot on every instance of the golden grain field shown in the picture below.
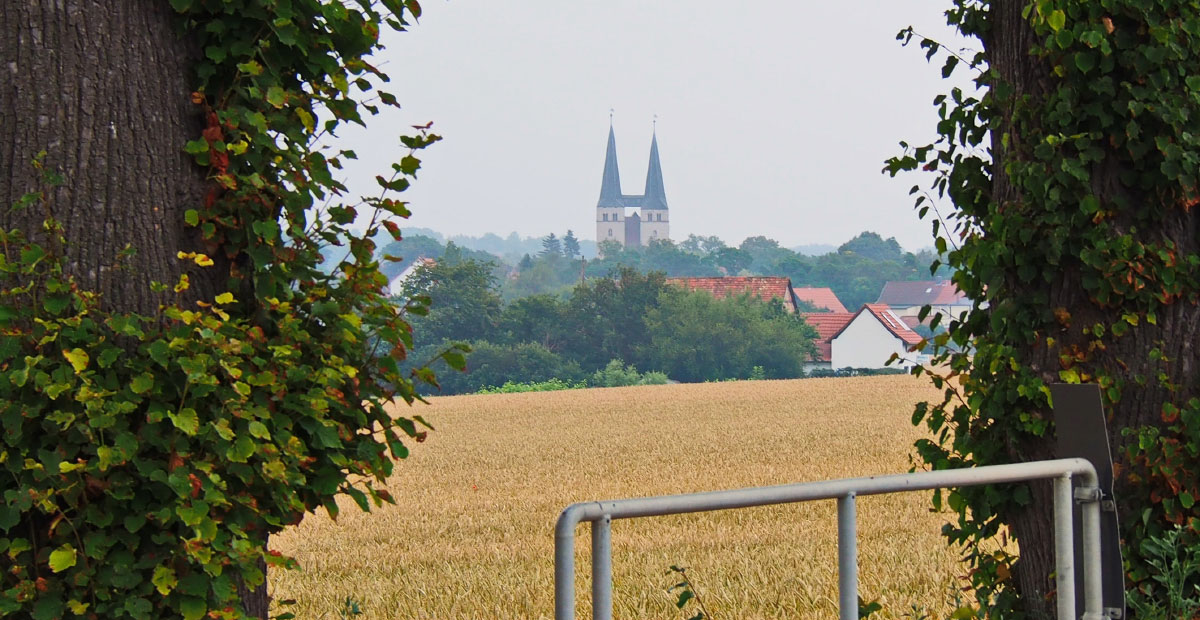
(472, 534)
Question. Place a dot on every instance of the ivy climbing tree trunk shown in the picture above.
(1076, 232)
(175, 427)
(1007, 44)
(102, 88)
(1131, 364)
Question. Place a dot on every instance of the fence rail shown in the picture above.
(845, 491)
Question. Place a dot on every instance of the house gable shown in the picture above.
(871, 336)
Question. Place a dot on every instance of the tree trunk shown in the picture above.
(102, 87)
(1007, 44)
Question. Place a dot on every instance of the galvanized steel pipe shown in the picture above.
(847, 558)
(564, 539)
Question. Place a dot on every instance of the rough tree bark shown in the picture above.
(102, 87)
(1007, 44)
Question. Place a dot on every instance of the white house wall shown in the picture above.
(864, 343)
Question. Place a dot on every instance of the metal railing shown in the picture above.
(601, 515)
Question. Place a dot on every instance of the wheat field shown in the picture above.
(472, 534)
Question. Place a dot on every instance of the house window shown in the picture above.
(605, 216)
(660, 217)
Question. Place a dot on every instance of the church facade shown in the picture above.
(628, 219)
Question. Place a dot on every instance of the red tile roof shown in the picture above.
(762, 287)
(921, 292)
(821, 297)
(892, 322)
(827, 324)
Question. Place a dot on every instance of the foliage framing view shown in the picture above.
(1073, 179)
(148, 455)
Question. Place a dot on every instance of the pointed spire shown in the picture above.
(655, 196)
(610, 187)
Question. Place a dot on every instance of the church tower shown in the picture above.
(655, 223)
(610, 209)
(650, 222)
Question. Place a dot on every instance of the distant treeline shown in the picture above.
(856, 271)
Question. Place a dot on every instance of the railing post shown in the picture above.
(847, 558)
(564, 578)
(602, 603)
(1093, 580)
(1064, 547)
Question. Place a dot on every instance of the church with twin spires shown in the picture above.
(648, 220)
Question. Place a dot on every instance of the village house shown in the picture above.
(870, 338)
(765, 288)
(907, 298)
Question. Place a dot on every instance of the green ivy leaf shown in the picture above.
(276, 96)
(62, 558)
(1057, 19)
(55, 304)
(193, 608)
(164, 580)
(142, 383)
(241, 450)
(259, 430)
(78, 359)
(185, 420)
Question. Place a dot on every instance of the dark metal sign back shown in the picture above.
(1082, 432)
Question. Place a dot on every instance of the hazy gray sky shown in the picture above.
(774, 118)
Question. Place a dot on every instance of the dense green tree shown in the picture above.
(695, 337)
(541, 319)
(871, 246)
(548, 273)
(492, 365)
(702, 245)
(551, 246)
(465, 303)
(606, 318)
(570, 245)
(407, 251)
(732, 260)
(763, 252)
(663, 255)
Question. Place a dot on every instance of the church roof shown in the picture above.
(610, 186)
(655, 196)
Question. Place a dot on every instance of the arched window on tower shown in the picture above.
(609, 232)
(605, 216)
